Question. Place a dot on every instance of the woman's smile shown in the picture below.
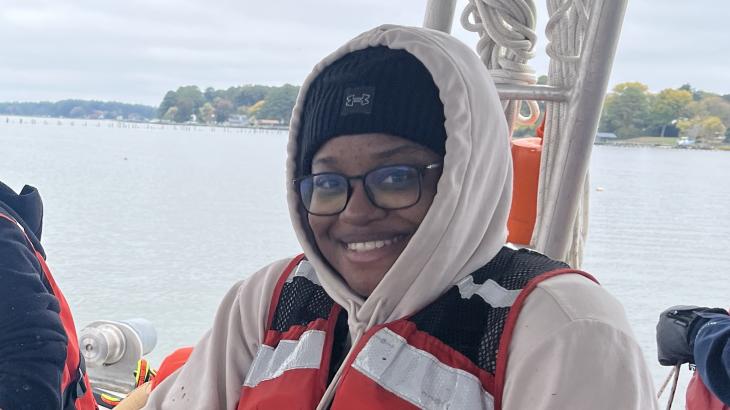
(368, 252)
(366, 246)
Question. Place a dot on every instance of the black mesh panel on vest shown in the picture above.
(301, 302)
(340, 345)
(471, 326)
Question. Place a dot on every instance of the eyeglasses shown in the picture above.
(389, 187)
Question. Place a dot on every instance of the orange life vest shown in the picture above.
(75, 388)
(170, 364)
(452, 354)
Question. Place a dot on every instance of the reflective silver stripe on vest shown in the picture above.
(305, 270)
(418, 376)
(490, 291)
(270, 363)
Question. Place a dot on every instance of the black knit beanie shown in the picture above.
(374, 90)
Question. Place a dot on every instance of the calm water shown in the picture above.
(159, 223)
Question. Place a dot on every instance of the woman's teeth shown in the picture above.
(370, 245)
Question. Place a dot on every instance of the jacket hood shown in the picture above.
(27, 209)
(466, 224)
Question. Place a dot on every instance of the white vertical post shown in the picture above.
(439, 15)
(584, 111)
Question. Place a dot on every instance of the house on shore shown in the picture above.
(237, 120)
(266, 123)
(605, 137)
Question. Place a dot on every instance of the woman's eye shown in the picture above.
(328, 182)
(397, 177)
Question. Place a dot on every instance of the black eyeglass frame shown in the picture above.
(421, 173)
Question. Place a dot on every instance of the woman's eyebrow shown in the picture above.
(403, 149)
(325, 161)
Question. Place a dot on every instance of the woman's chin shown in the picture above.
(363, 278)
(363, 270)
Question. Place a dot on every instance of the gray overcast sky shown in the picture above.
(136, 50)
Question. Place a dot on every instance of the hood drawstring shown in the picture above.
(374, 316)
(356, 327)
(359, 329)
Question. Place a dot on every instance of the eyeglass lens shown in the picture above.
(391, 187)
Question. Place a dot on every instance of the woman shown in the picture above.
(40, 364)
(400, 186)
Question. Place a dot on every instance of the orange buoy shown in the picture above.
(526, 153)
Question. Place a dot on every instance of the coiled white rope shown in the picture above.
(565, 32)
(507, 40)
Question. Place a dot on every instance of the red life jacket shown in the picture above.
(451, 354)
(75, 388)
(170, 364)
(700, 398)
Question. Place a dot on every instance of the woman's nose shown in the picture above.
(360, 209)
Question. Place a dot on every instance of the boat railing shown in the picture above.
(582, 37)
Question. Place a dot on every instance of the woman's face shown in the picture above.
(363, 241)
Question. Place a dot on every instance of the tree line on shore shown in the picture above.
(79, 109)
(630, 109)
(247, 103)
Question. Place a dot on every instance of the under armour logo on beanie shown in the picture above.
(358, 100)
(373, 90)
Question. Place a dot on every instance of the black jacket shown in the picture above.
(32, 338)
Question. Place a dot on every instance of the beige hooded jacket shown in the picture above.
(572, 347)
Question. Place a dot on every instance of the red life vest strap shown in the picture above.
(279, 285)
(509, 326)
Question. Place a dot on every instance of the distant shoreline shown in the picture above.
(639, 142)
(22, 119)
(645, 142)
(636, 145)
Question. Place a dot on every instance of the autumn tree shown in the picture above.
(169, 101)
(255, 108)
(266, 102)
(712, 106)
(191, 94)
(210, 94)
(696, 94)
(626, 110)
(707, 130)
(206, 113)
(669, 106)
(223, 109)
(248, 95)
(189, 99)
(279, 103)
(184, 112)
(170, 114)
